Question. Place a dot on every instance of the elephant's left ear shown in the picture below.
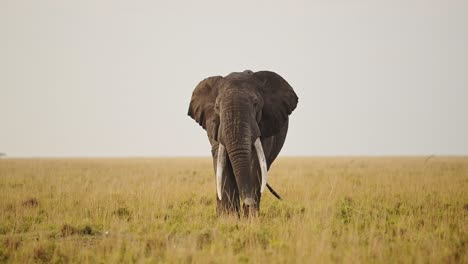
(202, 105)
(279, 102)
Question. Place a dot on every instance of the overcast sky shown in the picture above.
(114, 78)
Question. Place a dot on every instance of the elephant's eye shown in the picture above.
(255, 102)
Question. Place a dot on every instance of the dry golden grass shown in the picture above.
(163, 210)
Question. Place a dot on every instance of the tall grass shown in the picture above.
(163, 210)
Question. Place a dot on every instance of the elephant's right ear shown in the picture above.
(202, 105)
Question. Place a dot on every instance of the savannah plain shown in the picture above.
(339, 210)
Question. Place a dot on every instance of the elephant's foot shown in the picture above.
(228, 207)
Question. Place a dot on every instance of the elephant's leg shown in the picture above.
(230, 202)
(230, 194)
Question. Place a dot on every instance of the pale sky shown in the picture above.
(114, 78)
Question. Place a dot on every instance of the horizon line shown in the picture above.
(204, 157)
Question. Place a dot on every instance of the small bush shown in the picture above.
(68, 230)
(123, 213)
(44, 252)
(31, 202)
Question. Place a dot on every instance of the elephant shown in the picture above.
(246, 117)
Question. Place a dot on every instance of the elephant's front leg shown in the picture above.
(229, 204)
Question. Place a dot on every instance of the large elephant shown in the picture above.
(245, 115)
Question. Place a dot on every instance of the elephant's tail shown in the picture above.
(274, 192)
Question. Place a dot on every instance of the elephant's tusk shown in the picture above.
(263, 165)
(219, 169)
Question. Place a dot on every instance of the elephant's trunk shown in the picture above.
(240, 157)
(237, 138)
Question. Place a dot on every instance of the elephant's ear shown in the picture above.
(279, 102)
(202, 105)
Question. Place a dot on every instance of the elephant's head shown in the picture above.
(238, 111)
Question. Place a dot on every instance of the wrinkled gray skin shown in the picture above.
(235, 110)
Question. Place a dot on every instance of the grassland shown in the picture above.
(163, 210)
